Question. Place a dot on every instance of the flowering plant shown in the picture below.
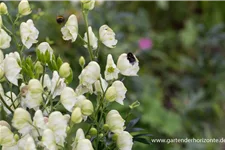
(39, 88)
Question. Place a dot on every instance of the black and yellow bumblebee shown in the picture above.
(60, 19)
(131, 58)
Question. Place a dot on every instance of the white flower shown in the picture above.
(24, 8)
(115, 121)
(43, 47)
(128, 64)
(79, 136)
(3, 9)
(84, 144)
(32, 94)
(120, 91)
(58, 124)
(68, 98)
(85, 105)
(57, 84)
(28, 33)
(47, 81)
(107, 36)
(48, 140)
(22, 121)
(27, 143)
(93, 40)
(5, 39)
(90, 74)
(6, 136)
(12, 68)
(124, 141)
(70, 30)
(39, 122)
(111, 71)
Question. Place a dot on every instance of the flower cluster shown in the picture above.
(35, 107)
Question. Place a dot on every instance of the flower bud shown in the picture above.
(16, 137)
(76, 116)
(3, 9)
(64, 70)
(88, 4)
(38, 67)
(101, 135)
(88, 137)
(111, 94)
(82, 61)
(115, 121)
(114, 137)
(86, 107)
(105, 127)
(24, 8)
(4, 123)
(93, 131)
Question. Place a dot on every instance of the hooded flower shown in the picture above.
(128, 64)
(22, 121)
(115, 121)
(39, 123)
(68, 98)
(117, 91)
(70, 30)
(24, 8)
(48, 140)
(57, 84)
(107, 36)
(111, 71)
(92, 39)
(80, 143)
(32, 94)
(124, 141)
(12, 68)
(89, 75)
(29, 33)
(84, 144)
(5, 39)
(6, 136)
(58, 124)
(79, 136)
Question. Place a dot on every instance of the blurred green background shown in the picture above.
(181, 83)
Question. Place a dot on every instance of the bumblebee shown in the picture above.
(131, 58)
(60, 19)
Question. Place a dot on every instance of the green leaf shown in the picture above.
(142, 140)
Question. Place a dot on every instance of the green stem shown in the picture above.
(14, 106)
(5, 104)
(85, 15)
